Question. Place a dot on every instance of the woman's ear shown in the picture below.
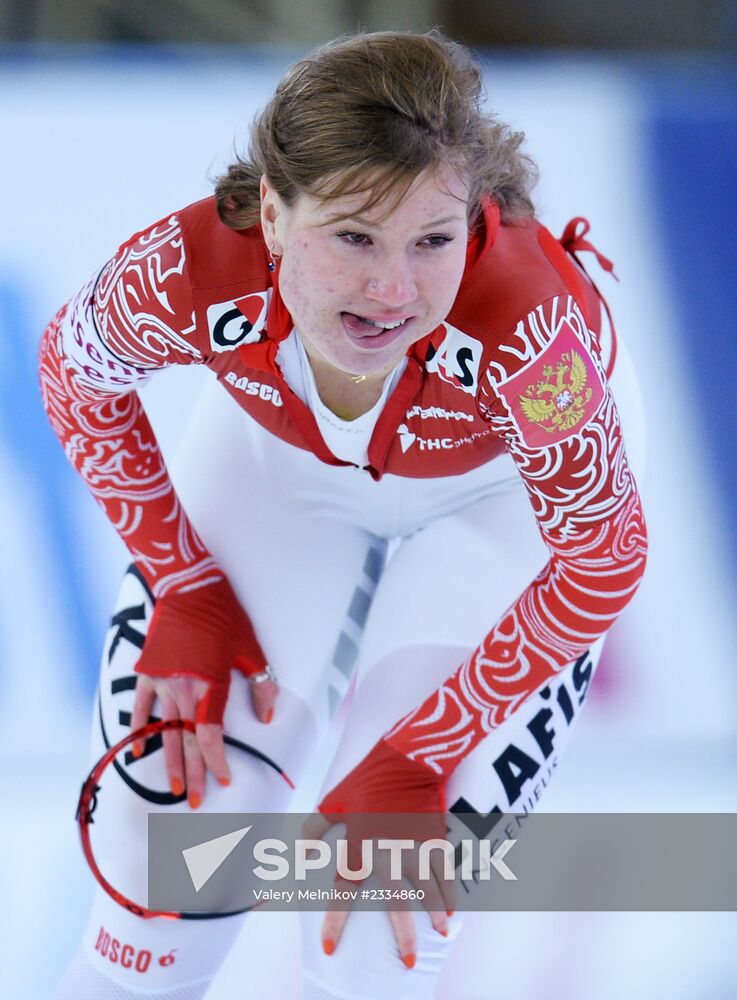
(271, 209)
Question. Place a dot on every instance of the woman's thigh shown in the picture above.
(307, 584)
(442, 591)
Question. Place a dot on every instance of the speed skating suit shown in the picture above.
(495, 470)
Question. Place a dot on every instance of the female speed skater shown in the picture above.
(403, 491)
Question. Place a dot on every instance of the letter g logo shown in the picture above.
(237, 322)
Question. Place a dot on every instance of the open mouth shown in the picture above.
(371, 332)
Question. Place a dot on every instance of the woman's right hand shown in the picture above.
(193, 642)
(187, 756)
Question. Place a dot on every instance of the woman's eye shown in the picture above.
(356, 239)
(362, 240)
(437, 240)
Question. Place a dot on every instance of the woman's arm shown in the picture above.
(546, 394)
(135, 318)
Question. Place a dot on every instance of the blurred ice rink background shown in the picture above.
(99, 142)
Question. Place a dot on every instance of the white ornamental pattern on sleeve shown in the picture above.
(87, 355)
(87, 382)
(138, 296)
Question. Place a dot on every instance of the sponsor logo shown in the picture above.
(456, 360)
(125, 639)
(524, 774)
(121, 953)
(408, 438)
(437, 412)
(253, 388)
(237, 322)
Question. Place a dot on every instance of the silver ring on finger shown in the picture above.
(267, 674)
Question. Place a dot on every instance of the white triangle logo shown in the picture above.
(406, 437)
(203, 860)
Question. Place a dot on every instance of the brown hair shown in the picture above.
(368, 113)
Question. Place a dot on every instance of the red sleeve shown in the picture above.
(545, 393)
(133, 318)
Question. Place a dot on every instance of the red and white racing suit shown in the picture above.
(471, 650)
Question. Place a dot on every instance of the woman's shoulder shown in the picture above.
(518, 272)
(216, 254)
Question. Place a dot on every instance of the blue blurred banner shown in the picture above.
(692, 138)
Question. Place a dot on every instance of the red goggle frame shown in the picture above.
(88, 803)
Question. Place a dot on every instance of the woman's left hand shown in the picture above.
(404, 800)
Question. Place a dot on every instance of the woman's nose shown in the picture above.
(392, 284)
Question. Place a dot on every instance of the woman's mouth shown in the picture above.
(374, 333)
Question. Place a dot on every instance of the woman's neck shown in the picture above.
(347, 396)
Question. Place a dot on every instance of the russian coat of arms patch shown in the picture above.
(555, 395)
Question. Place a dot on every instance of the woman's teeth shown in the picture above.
(382, 326)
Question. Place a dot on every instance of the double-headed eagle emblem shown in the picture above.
(558, 401)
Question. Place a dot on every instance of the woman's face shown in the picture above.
(363, 289)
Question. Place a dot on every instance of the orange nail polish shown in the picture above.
(269, 716)
(194, 800)
(137, 749)
(409, 960)
(328, 946)
(443, 932)
(177, 786)
(224, 782)
(451, 912)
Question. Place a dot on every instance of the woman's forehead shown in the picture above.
(442, 190)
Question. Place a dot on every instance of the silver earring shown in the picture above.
(275, 258)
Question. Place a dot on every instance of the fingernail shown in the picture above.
(451, 912)
(194, 800)
(137, 749)
(224, 782)
(409, 960)
(328, 946)
(269, 715)
(443, 931)
(177, 786)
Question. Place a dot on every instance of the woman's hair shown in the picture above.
(367, 114)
